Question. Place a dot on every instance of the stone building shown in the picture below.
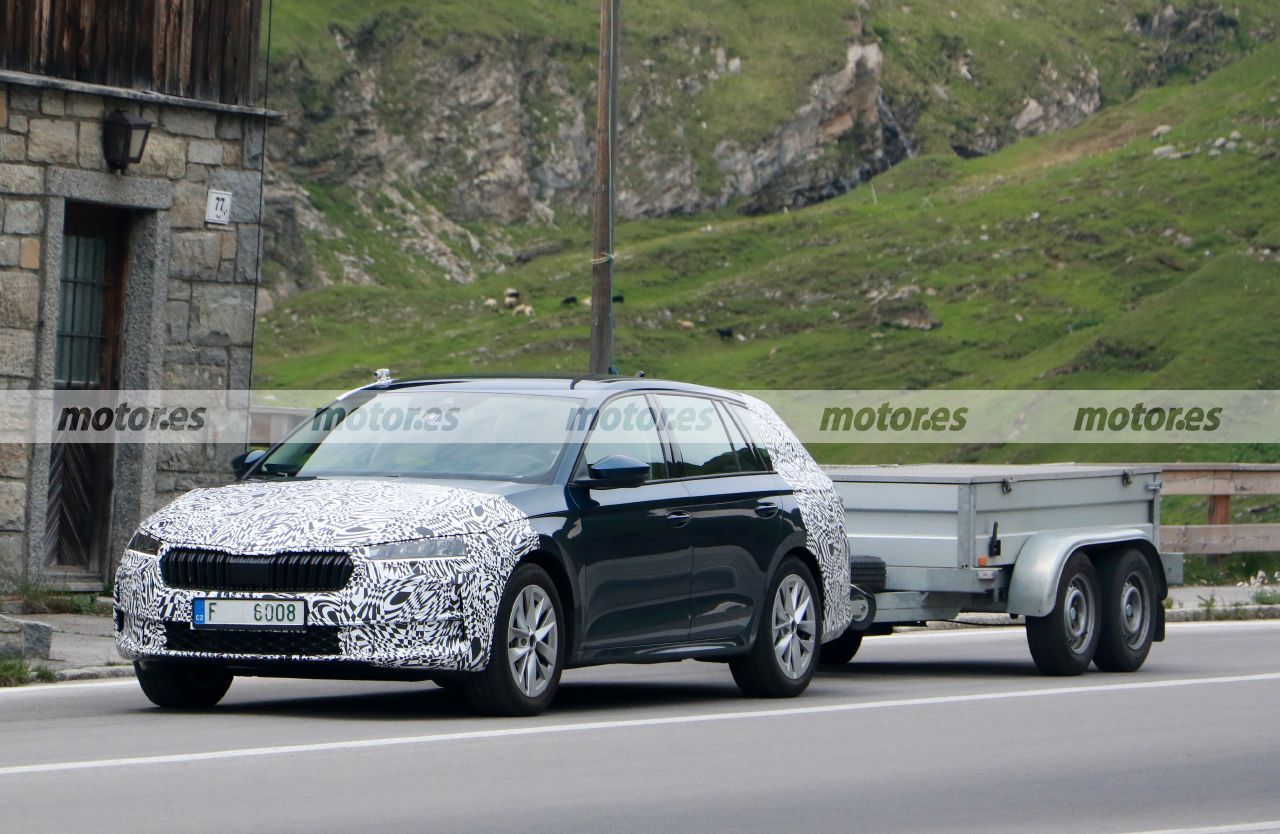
(115, 279)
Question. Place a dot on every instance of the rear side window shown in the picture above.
(694, 424)
(754, 435)
(626, 426)
(747, 461)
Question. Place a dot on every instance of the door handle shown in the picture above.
(679, 518)
(766, 509)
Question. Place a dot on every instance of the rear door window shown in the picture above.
(747, 461)
(695, 426)
(754, 435)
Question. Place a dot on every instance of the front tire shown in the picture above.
(175, 686)
(1065, 641)
(528, 649)
(785, 654)
(1128, 612)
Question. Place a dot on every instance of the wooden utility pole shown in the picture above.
(606, 136)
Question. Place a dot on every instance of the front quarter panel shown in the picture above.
(431, 613)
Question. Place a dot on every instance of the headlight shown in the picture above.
(419, 549)
(145, 544)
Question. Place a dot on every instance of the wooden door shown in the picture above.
(90, 322)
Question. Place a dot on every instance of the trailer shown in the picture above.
(1072, 548)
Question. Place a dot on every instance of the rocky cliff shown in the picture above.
(450, 149)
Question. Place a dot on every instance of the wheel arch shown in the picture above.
(548, 561)
(1107, 552)
(811, 562)
(1036, 573)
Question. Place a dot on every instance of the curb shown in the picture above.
(89, 673)
(968, 621)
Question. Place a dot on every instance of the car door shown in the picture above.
(631, 545)
(736, 527)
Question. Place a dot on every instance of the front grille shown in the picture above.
(209, 570)
(315, 641)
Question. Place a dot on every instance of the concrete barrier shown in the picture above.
(25, 639)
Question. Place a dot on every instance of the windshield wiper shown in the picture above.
(281, 476)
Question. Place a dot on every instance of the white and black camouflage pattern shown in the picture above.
(435, 613)
(821, 510)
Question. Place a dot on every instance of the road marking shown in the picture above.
(556, 729)
(1269, 825)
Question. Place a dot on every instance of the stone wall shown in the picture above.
(190, 300)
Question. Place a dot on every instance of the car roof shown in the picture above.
(592, 387)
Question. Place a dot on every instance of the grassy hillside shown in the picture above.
(1074, 260)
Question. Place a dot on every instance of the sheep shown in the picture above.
(512, 298)
(523, 310)
(685, 324)
(571, 301)
(725, 333)
(491, 304)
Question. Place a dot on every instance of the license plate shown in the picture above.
(248, 613)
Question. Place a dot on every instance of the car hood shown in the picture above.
(275, 516)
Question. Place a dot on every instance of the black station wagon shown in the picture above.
(487, 534)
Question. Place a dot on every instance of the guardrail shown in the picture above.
(1220, 482)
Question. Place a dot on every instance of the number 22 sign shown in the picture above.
(219, 208)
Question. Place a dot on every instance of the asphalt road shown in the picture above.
(941, 731)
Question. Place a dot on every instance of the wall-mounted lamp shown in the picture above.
(124, 138)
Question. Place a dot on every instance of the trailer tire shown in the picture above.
(1128, 612)
(768, 671)
(1065, 641)
(841, 650)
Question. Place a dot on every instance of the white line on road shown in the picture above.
(1242, 828)
(554, 729)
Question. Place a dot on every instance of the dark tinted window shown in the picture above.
(747, 461)
(626, 426)
(694, 424)
(752, 428)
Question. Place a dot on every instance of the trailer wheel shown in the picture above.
(1065, 641)
(840, 650)
(1128, 612)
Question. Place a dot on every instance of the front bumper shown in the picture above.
(425, 614)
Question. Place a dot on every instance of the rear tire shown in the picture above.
(1065, 641)
(788, 637)
(175, 686)
(1128, 612)
(528, 649)
(841, 650)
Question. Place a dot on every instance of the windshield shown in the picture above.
(430, 434)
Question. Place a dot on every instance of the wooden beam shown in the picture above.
(1221, 480)
(1212, 539)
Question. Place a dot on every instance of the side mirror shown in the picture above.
(615, 472)
(242, 463)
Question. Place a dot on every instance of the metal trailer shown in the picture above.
(1073, 548)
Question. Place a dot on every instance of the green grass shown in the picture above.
(14, 672)
(1107, 299)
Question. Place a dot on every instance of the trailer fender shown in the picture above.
(1034, 586)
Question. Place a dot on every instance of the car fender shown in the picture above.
(1034, 586)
